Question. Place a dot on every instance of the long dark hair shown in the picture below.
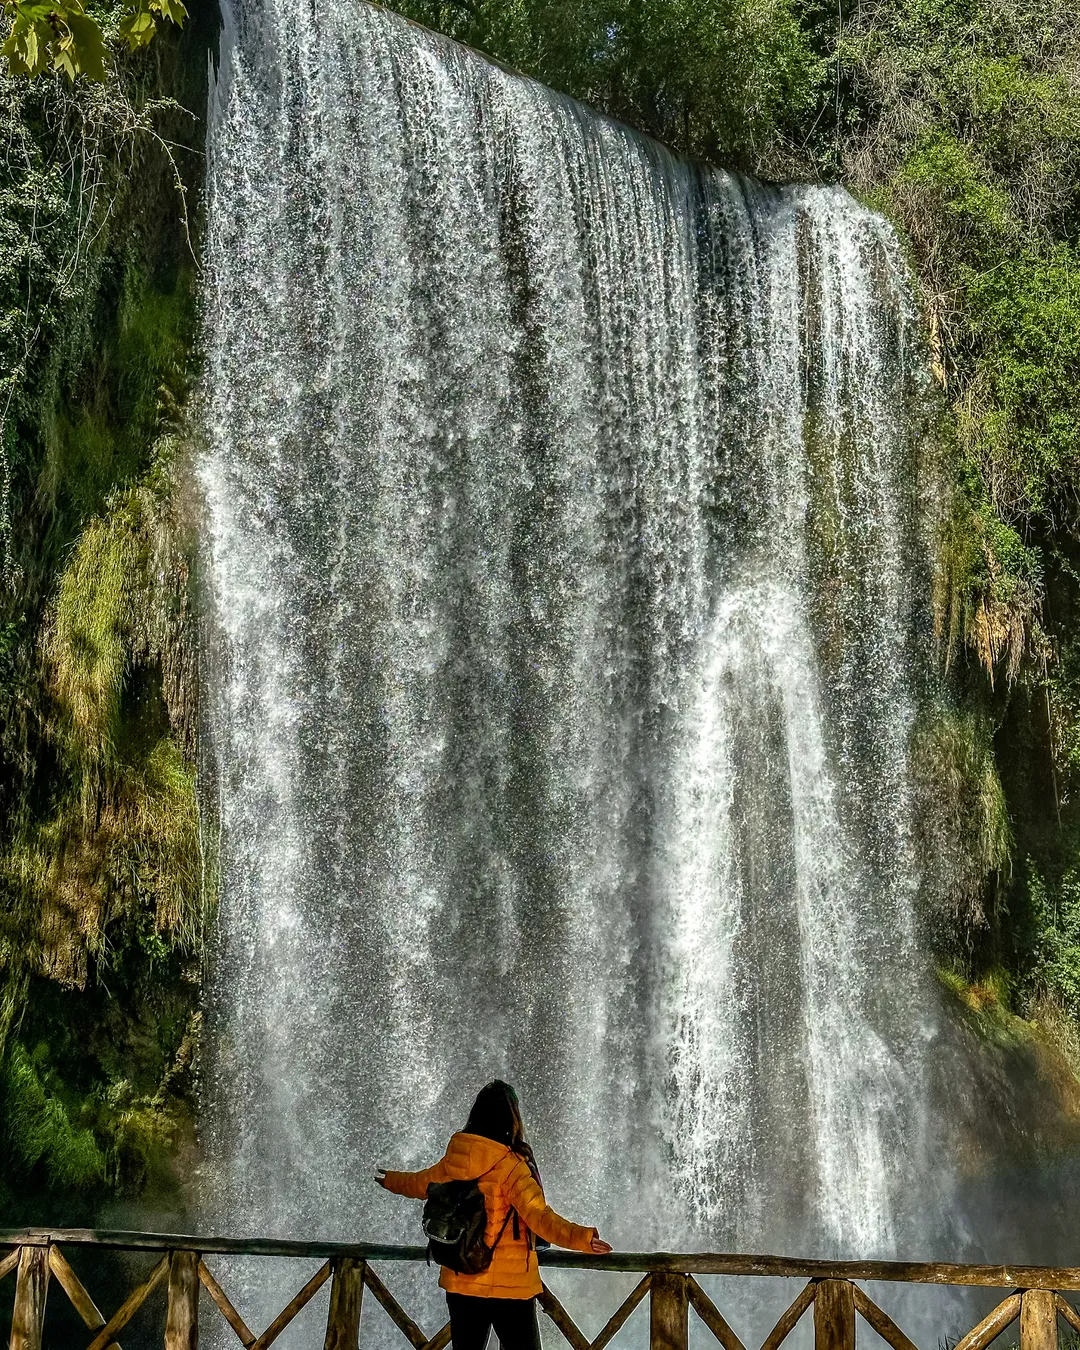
(496, 1114)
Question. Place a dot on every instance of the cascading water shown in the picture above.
(567, 588)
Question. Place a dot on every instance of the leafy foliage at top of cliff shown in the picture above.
(960, 119)
(725, 78)
(100, 866)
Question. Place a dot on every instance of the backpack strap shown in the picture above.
(511, 1213)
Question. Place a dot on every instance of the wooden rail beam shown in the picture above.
(1054, 1278)
(695, 1262)
(834, 1316)
(669, 1307)
(31, 1291)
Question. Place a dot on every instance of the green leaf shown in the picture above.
(138, 28)
(64, 57)
(87, 43)
(26, 46)
(61, 35)
(173, 10)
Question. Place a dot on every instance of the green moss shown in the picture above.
(89, 639)
(984, 1005)
(44, 1130)
(989, 585)
(98, 1138)
(966, 834)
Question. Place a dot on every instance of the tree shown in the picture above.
(60, 35)
(727, 78)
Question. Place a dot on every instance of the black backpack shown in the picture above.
(455, 1218)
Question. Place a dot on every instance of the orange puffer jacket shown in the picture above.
(506, 1183)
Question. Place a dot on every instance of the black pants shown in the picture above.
(514, 1320)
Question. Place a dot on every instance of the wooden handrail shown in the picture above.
(669, 1286)
(685, 1263)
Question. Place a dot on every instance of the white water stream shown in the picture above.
(567, 598)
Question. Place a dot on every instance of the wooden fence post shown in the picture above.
(346, 1299)
(669, 1308)
(28, 1316)
(834, 1316)
(182, 1323)
(1038, 1320)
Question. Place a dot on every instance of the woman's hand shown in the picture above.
(600, 1247)
(380, 1178)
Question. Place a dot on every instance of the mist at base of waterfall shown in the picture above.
(567, 556)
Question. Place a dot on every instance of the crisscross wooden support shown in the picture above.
(703, 1305)
(790, 1317)
(79, 1299)
(880, 1320)
(351, 1277)
(130, 1306)
(398, 1315)
(244, 1334)
(668, 1283)
(301, 1300)
(572, 1333)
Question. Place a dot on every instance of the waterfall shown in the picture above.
(567, 593)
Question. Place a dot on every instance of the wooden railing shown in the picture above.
(37, 1256)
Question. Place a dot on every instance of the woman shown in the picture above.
(493, 1151)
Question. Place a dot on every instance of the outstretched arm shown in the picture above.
(528, 1199)
(412, 1184)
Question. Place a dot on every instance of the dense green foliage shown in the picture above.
(61, 35)
(100, 860)
(961, 119)
(718, 77)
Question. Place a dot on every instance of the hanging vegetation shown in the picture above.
(101, 870)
